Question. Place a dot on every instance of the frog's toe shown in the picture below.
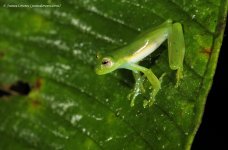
(179, 76)
(161, 77)
(132, 96)
(177, 84)
(150, 102)
(145, 103)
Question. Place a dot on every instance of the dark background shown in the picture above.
(212, 133)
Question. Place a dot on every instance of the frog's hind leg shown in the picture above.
(154, 81)
(176, 50)
(138, 87)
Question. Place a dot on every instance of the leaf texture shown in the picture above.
(52, 49)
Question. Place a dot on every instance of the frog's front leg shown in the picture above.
(152, 79)
(176, 50)
(138, 87)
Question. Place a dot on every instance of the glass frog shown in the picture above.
(129, 56)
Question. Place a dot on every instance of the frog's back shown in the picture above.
(142, 46)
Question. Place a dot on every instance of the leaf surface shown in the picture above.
(52, 50)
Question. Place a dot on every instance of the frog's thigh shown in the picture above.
(176, 46)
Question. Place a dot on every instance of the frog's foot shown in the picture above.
(138, 89)
(161, 77)
(150, 102)
(179, 76)
(132, 96)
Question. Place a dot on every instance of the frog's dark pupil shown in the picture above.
(105, 62)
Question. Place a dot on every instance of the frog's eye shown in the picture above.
(106, 62)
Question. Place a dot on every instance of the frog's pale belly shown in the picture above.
(148, 48)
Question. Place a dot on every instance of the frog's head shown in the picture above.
(105, 65)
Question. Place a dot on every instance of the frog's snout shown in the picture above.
(98, 71)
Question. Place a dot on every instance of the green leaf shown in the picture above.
(51, 97)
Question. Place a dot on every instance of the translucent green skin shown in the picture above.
(128, 57)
